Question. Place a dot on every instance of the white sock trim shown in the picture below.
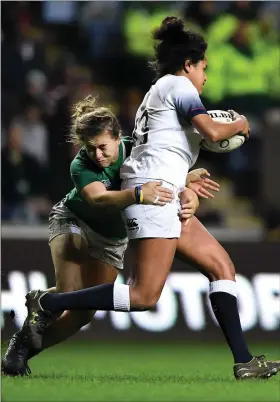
(121, 297)
(223, 285)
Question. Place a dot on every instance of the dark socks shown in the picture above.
(226, 311)
(95, 298)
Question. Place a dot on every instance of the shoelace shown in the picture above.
(261, 361)
(261, 357)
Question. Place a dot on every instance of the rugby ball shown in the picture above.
(223, 146)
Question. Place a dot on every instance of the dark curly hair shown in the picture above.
(176, 45)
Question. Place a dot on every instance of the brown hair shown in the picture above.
(89, 120)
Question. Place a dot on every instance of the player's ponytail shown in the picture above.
(171, 28)
(90, 119)
(87, 105)
(176, 44)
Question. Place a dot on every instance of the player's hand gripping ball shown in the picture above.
(222, 146)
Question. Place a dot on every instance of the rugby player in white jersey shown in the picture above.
(165, 151)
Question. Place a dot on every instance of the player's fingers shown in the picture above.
(212, 183)
(165, 199)
(214, 188)
(202, 194)
(211, 187)
(186, 215)
(186, 211)
(207, 194)
(163, 190)
(186, 208)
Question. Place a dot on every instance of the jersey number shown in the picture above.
(141, 125)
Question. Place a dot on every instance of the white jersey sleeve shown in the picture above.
(186, 100)
(165, 145)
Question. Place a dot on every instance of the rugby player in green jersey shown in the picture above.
(87, 236)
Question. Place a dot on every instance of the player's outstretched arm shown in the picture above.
(96, 195)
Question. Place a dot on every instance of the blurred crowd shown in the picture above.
(57, 52)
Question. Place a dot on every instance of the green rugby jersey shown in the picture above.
(83, 171)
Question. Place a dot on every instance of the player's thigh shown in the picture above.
(199, 248)
(96, 272)
(85, 259)
(153, 232)
(104, 249)
(69, 255)
(153, 260)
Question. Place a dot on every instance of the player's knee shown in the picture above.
(222, 269)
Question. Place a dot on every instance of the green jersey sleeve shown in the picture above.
(81, 174)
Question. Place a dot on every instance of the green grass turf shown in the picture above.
(91, 371)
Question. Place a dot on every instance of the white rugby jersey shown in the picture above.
(165, 145)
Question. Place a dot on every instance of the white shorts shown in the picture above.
(144, 221)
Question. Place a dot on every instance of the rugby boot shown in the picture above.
(258, 367)
(37, 319)
(14, 362)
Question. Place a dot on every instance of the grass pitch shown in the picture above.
(91, 371)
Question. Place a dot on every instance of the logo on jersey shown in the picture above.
(132, 224)
(107, 183)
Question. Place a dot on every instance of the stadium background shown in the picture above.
(55, 53)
